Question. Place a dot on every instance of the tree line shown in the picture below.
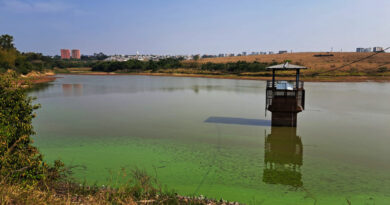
(174, 63)
(236, 67)
(12, 59)
(136, 65)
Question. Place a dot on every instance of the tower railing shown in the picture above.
(290, 90)
(291, 82)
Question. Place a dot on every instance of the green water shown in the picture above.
(338, 153)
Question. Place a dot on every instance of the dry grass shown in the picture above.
(16, 194)
(366, 70)
(76, 70)
(315, 64)
(139, 188)
(19, 195)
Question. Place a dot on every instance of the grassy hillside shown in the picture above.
(316, 64)
(321, 67)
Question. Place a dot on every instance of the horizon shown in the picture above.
(210, 54)
(199, 27)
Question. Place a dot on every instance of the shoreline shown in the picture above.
(382, 79)
(38, 78)
(43, 79)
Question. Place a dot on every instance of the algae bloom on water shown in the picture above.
(211, 137)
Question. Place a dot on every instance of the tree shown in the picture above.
(196, 57)
(152, 65)
(8, 58)
(100, 56)
(6, 41)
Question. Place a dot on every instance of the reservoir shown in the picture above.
(213, 137)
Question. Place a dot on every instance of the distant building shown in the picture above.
(209, 56)
(367, 50)
(76, 54)
(281, 52)
(363, 50)
(378, 49)
(359, 50)
(65, 54)
(244, 53)
(271, 52)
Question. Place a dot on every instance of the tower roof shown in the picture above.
(286, 66)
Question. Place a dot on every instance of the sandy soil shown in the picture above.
(43, 79)
(38, 78)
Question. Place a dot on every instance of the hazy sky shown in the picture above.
(195, 26)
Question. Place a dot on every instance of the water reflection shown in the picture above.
(208, 88)
(283, 157)
(72, 89)
(77, 85)
(40, 87)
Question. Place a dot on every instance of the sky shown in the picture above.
(195, 26)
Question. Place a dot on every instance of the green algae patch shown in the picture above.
(111, 124)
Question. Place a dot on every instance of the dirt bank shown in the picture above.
(38, 78)
(240, 77)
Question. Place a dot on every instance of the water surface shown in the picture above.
(213, 137)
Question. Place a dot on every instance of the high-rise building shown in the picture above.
(76, 54)
(65, 54)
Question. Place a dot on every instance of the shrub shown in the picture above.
(19, 160)
(237, 67)
(382, 69)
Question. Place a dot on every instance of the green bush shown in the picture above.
(237, 67)
(136, 65)
(19, 160)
